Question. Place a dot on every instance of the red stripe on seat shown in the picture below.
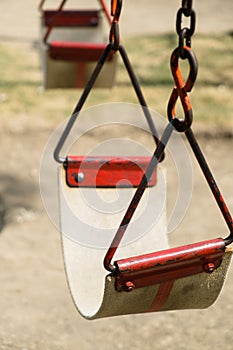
(71, 18)
(161, 296)
(76, 51)
(107, 172)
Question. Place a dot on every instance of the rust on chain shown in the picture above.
(181, 89)
(116, 8)
(114, 38)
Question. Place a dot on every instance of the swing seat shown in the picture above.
(186, 277)
(88, 228)
(75, 44)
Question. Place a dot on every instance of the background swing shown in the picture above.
(72, 41)
(151, 281)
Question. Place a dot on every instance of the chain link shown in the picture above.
(185, 33)
(187, 6)
(114, 37)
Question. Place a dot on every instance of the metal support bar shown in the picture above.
(80, 104)
(212, 183)
(136, 198)
(169, 265)
(107, 172)
(139, 93)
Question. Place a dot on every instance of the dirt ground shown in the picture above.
(36, 310)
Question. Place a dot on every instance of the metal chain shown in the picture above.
(181, 90)
(184, 52)
(185, 33)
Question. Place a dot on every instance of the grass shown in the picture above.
(21, 94)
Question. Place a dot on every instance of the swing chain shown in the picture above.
(182, 88)
(114, 38)
(187, 5)
(185, 33)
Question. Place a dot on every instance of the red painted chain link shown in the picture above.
(181, 89)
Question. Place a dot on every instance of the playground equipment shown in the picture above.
(184, 277)
(72, 41)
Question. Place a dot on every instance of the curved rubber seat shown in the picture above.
(94, 291)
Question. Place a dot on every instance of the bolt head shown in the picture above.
(129, 286)
(210, 267)
(80, 177)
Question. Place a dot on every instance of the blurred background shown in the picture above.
(36, 310)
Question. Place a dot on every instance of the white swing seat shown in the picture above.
(86, 234)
